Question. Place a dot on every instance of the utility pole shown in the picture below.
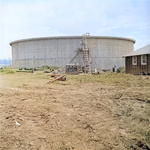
(33, 64)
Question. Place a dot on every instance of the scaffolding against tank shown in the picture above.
(84, 59)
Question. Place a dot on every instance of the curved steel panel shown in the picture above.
(58, 51)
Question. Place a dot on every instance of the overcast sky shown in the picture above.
(20, 19)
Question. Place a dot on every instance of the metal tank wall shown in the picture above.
(108, 52)
(58, 51)
(51, 52)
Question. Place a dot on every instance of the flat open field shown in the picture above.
(87, 112)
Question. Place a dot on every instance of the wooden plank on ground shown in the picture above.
(56, 79)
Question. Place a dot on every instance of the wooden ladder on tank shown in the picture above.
(86, 55)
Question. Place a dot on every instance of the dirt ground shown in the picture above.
(82, 113)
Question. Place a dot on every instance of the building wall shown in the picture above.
(106, 51)
(136, 69)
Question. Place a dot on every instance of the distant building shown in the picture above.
(138, 61)
(5, 62)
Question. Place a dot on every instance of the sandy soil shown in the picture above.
(72, 115)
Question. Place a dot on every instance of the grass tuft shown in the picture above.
(8, 71)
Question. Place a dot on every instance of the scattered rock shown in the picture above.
(142, 145)
(94, 138)
(135, 147)
(17, 123)
(23, 99)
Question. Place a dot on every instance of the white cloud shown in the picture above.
(36, 18)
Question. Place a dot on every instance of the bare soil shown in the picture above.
(77, 114)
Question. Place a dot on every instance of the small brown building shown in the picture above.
(138, 61)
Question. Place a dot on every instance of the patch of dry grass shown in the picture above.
(118, 79)
(7, 71)
(115, 79)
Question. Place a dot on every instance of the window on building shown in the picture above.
(143, 60)
(134, 60)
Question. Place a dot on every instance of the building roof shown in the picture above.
(141, 51)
